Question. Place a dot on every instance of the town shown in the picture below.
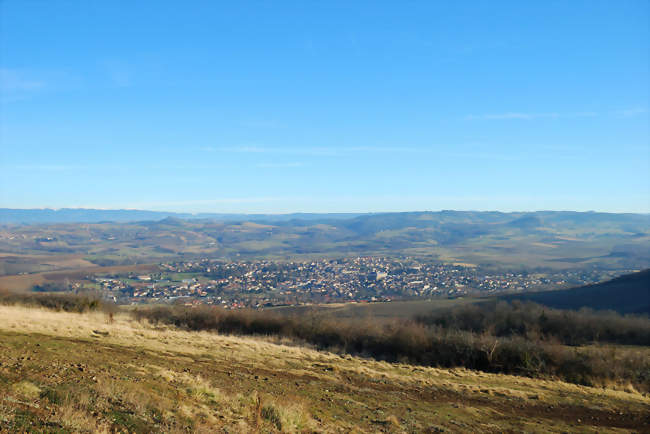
(265, 283)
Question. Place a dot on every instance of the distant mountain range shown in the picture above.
(83, 215)
(522, 220)
(625, 294)
(551, 239)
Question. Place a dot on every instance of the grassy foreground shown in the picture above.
(63, 371)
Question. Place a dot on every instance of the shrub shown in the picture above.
(58, 301)
(419, 343)
(536, 321)
(270, 413)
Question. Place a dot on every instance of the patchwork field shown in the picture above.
(24, 282)
(552, 240)
(85, 372)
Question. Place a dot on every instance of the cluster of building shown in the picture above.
(361, 279)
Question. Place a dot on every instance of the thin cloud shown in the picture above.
(13, 80)
(314, 151)
(483, 156)
(278, 165)
(632, 112)
(267, 124)
(237, 149)
(119, 73)
(16, 85)
(387, 149)
(214, 201)
(48, 167)
(25, 84)
(64, 167)
(577, 148)
(530, 116)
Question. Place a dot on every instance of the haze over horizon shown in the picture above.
(334, 107)
(180, 212)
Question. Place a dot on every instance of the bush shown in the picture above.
(270, 413)
(534, 321)
(57, 301)
(418, 342)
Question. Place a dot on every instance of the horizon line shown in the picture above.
(195, 213)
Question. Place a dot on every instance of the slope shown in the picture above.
(625, 294)
(75, 372)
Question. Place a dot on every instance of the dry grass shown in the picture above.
(27, 390)
(86, 374)
(511, 340)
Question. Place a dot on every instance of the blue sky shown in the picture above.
(325, 106)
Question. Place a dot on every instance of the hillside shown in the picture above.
(625, 294)
(76, 372)
(556, 240)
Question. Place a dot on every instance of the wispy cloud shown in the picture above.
(563, 147)
(96, 167)
(13, 80)
(48, 167)
(119, 73)
(261, 123)
(632, 112)
(214, 201)
(17, 85)
(245, 149)
(455, 152)
(387, 149)
(483, 156)
(62, 167)
(25, 84)
(314, 150)
(279, 165)
(530, 116)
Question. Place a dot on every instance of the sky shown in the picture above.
(306, 106)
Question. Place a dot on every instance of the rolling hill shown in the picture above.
(522, 240)
(625, 294)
